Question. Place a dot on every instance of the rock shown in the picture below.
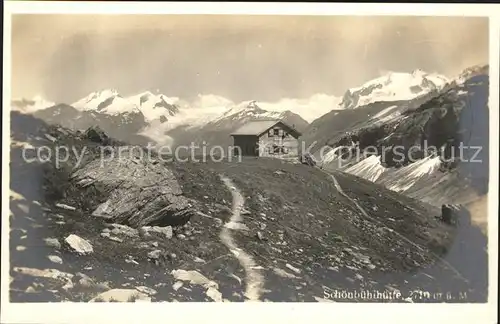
(131, 260)
(121, 295)
(52, 242)
(289, 266)
(214, 294)
(177, 285)
(105, 235)
(199, 260)
(146, 290)
(116, 239)
(282, 273)
(65, 206)
(84, 280)
(78, 244)
(96, 134)
(181, 236)
(106, 230)
(103, 210)
(347, 250)
(260, 236)
(55, 259)
(194, 277)
(47, 273)
(124, 230)
(30, 290)
(173, 256)
(50, 137)
(154, 254)
(20, 248)
(139, 193)
(165, 231)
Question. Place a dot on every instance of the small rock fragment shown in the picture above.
(177, 285)
(289, 266)
(64, 206)
(53, 242)
(154, 254)
(79, 244)
(55, 259)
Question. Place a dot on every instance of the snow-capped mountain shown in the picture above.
(155, 107)
(444, 119)
(394, 86)
(107, 101)
(29, 106)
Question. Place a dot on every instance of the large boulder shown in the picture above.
(140, 191)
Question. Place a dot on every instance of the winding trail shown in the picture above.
(363, 211)
(254, 279)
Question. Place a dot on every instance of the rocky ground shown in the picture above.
(137, 229)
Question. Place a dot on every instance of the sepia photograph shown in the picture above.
(249, 158)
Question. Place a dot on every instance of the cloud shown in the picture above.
(308, 108)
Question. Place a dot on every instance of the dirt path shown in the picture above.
(363, 211)
(254, 280)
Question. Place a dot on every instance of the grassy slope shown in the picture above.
(303, 219)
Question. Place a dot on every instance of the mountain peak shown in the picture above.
(252, 104)
(108, 101)
(393, 86)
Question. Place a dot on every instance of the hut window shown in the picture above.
(271, 132)
(278, 149)
(276, 132)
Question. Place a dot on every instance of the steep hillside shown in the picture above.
(142, 228)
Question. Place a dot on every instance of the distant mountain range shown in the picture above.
(162, 119)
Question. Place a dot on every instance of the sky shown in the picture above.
(265, 58)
